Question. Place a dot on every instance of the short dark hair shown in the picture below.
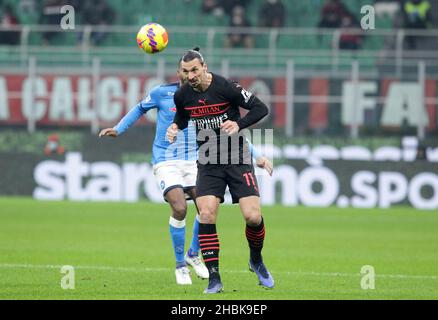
(192, 54)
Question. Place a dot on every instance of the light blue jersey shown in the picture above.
(161, 98)
(185, 146)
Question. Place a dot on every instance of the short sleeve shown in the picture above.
(151, 101)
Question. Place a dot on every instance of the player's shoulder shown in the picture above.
(169, 86)
(182, 91)
(225, 85)
(165, 89)
(222, 82)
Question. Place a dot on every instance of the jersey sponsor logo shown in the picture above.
(208, 110)
(210, 122)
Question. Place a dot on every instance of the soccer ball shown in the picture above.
(152, 38)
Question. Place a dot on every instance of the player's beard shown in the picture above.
(196, 85)
(200, 82)
(195, 82)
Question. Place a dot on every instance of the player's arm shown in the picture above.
(257, 109)
(132, 116)
(127, 121)
(180, 121)
(261, 160)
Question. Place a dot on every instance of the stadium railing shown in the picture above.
(272, 46)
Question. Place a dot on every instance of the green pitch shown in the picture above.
(123, 251)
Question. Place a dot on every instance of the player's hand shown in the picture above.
(264, 163)
(108, 132)
(230, 127)
(172, 132)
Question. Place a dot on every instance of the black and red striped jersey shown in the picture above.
(209, 109)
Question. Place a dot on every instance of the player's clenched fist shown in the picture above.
(108, 132)
(172, 132)
(264, 163)
(230, 127)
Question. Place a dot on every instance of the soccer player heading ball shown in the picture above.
(212, 103)
(175, 172)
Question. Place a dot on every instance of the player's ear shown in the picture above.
(205, 66)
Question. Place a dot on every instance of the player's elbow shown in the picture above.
(264, 111)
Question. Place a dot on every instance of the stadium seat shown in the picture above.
(188, 13)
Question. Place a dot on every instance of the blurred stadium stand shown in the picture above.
(188, 26)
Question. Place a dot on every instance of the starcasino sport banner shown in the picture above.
(78, 176)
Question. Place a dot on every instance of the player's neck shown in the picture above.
(205, 83)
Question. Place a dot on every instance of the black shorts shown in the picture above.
(213, 179)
